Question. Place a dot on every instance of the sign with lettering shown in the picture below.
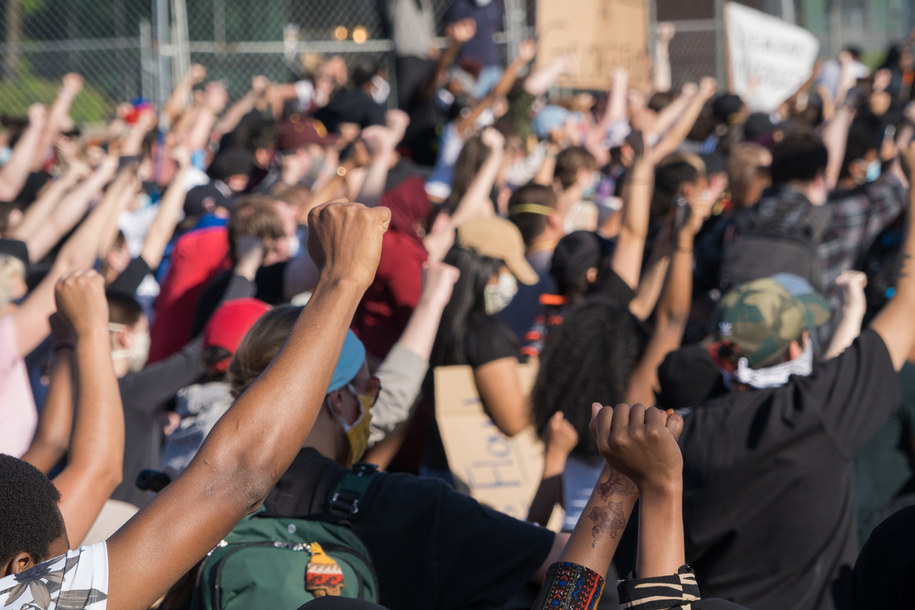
(501, 472)
(768, 59)
(600, 35)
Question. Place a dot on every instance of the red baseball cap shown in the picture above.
(229, 325)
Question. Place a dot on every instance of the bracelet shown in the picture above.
(62, 344)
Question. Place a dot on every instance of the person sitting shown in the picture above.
(494, 554)
(239, 463)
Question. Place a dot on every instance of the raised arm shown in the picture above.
(133, 141)
(641, 444)
(835, 137)
(630, 247)
(641, 454)
(121, 192)
(58, 118)
(78, 252)
(526, 51)
(256, 440)
(459, 33)
(475, 201)
(894, 322)
(16, 171)
(677, 134)
(177, 102)
(661, 66)
(673, 308)
(70, 209)
(214, 102)
(168, 216)
(243, 106)
(402, 372)
(381, 142)
(851, 312)
(41, 210)
(97, 444)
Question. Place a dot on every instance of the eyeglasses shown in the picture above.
(370, 388)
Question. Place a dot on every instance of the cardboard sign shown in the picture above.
(600, 34)
(500, 472)
(768, 59)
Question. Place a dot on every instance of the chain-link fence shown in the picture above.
(131, 48)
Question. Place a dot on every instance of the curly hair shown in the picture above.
(29, 517)
(588, 358)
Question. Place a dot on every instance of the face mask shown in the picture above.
(317, 165)
(775, 376)
(5, 154)
(588, 191)
(873, 170)
(138, 354)
(483, 2)
(496, 297)
(357, 433)
(381, 91)
(294, 244)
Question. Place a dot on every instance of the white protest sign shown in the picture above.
(769, 59)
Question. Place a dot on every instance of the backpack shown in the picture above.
(781, 242)
(273, 562)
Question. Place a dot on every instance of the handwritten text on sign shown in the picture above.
(500, 472)
(769, 59)
(599, 34)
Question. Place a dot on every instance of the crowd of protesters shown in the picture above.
(198, 323)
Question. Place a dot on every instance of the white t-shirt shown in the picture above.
(78, 579)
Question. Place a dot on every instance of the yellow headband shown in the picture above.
(531, 208)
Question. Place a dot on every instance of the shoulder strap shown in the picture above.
(345, 498)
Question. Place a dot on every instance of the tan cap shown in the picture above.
(498, 238)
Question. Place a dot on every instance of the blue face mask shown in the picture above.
(591, 188)
(873, 170)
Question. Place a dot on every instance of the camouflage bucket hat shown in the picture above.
(763, 317)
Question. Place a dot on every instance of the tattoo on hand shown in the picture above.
(609, 520)
(618, 485)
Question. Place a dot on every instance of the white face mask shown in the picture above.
(381, 91)
(496, 297)
(483, 2)
(775, 376)
(873, 170)
(138, 354)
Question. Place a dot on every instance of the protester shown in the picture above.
(635, 245)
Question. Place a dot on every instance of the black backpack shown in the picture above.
(763, 244)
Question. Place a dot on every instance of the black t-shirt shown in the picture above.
(487, 338)
(350, 106)
(768, 497)
(431, 546)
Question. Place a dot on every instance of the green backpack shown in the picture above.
(279, 563)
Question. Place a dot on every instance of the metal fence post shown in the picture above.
(163, 78)
(721, 68)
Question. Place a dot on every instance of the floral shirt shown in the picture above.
(73, 581)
